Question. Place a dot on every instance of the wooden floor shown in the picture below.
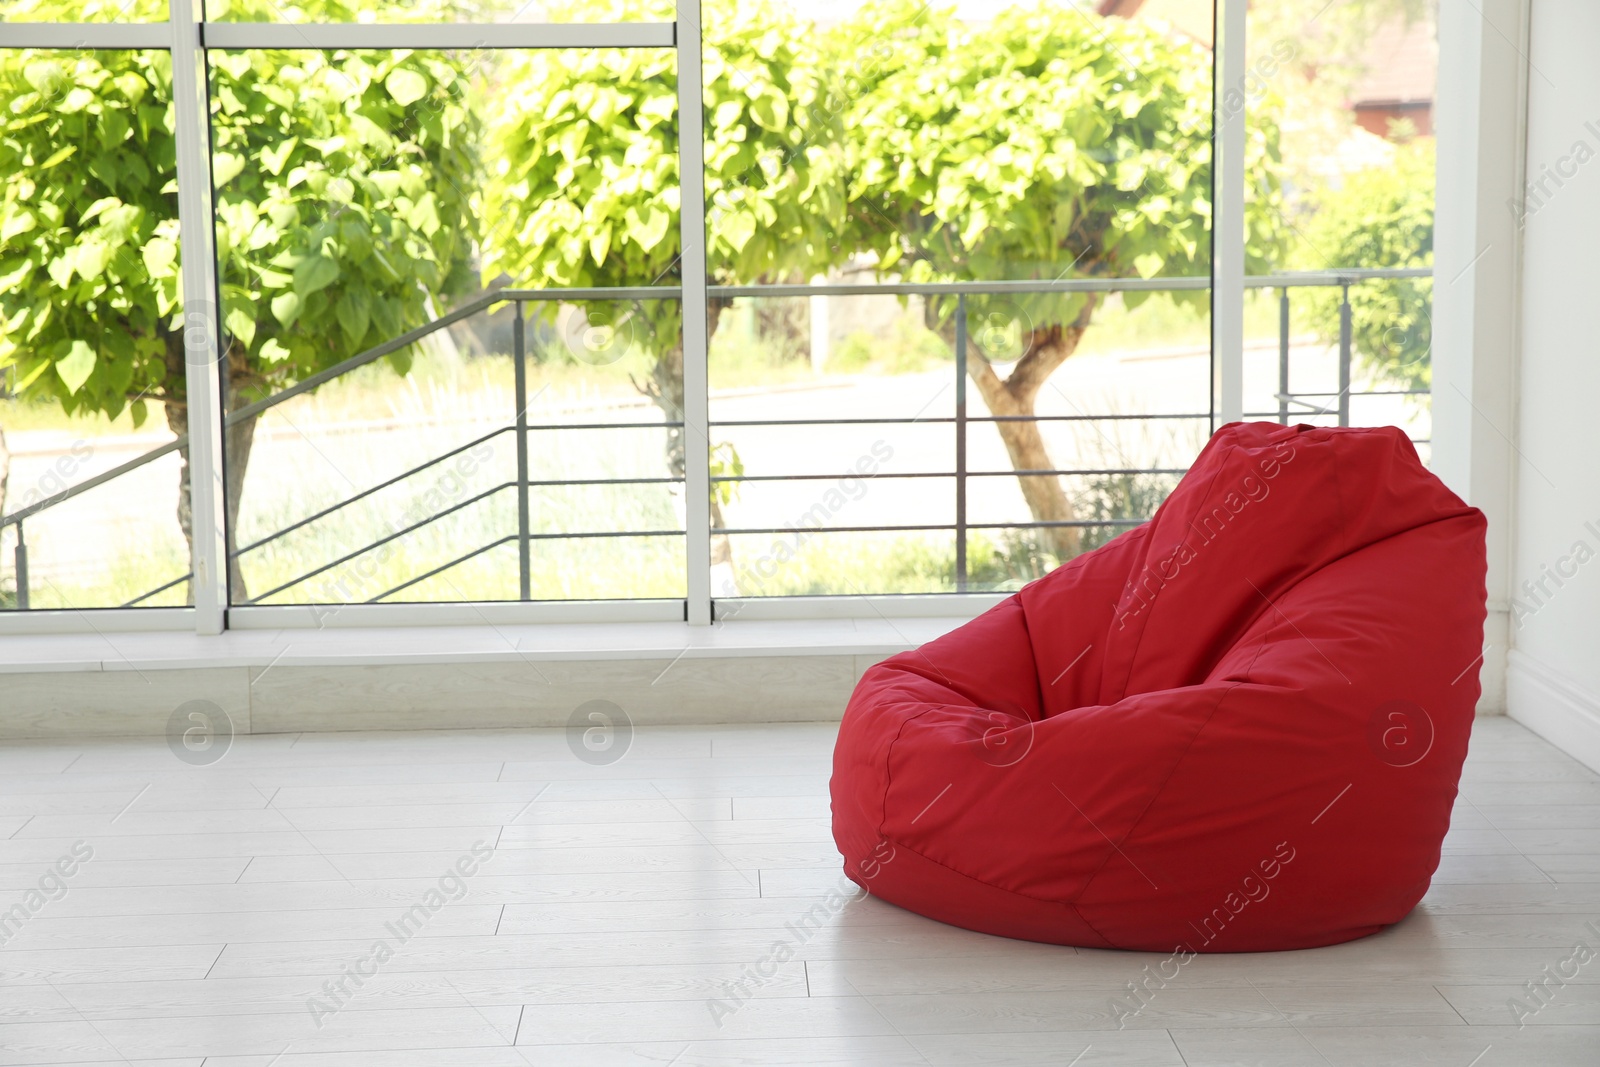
(619, 906)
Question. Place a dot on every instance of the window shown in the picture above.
(1340, 100)
(1029, 182)
(928, 313)
(91, 349)
(362, 194)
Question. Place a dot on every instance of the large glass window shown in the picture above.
(425, 11)
(1032, 185)
(91, 332)
(86, 10)
(1340, 101)
(958, 279)
(362, 194)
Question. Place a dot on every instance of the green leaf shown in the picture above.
(651, 227)
(406, 86)
(75, 367)
(1148, 265)
(314, 273)
(241, 324)
(96, 208)
(93, 256)
(738, 227)
(60, 154)
(225, 166)
(60, 268)
(354, 314)
(15, 223)
(425, 216)
(273, 352)
(273, 159)
(285, 308)
(139, 412)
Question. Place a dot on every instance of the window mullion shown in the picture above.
(201, 320)
(1228, 116)
(696, 404)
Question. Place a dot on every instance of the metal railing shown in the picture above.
(1311, 279)
(520, 427)
(961, 420)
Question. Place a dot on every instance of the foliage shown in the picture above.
(1110, 498)
(1380, 217)
(725, 463)
(85, 225)
(342, 199)
(339, 205)
(1041, 144)
(365, 10)
(908, 348)
(1311, 56)
(582, 183)
(1008, 562)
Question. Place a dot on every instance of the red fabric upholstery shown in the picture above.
(1237, 727)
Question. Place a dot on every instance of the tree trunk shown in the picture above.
(665, 388)
(1048, 348)
(240, 439)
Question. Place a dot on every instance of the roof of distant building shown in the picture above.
(1402, 60)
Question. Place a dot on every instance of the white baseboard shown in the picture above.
(442, 677)
(1554, 707)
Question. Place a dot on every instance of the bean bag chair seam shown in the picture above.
(1345, 528)
(888, 771)
(1064, 904)
(1272, 604)
(898, 843)
(1133, 657)
(1155, 794)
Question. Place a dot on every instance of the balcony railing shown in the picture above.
(1290, 403)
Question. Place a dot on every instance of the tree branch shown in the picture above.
(1048, 349)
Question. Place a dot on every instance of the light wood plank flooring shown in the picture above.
(231, 915)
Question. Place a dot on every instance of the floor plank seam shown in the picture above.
(1170, 1037)
(1450, 1003)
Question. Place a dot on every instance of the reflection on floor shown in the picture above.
(489, 898)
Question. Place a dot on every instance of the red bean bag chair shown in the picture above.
(1238, 727)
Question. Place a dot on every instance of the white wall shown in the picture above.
(1479, 120)
(1553, 682)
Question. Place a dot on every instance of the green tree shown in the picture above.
(1379, 217)
(341, 182)
(582, 188)
(1045, 144)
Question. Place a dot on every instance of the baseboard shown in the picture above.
(655, 691)
(443, 677)
(1554, 707)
